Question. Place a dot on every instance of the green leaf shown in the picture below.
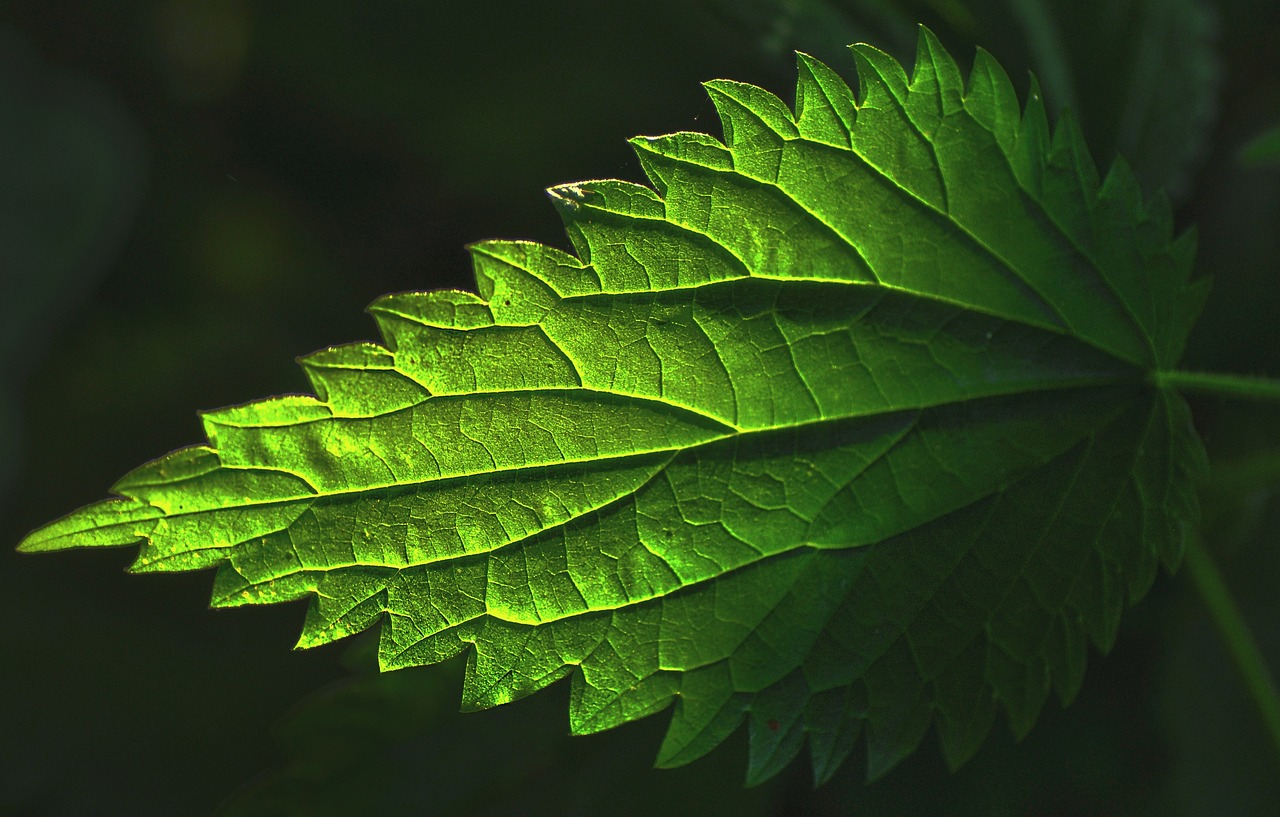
(845, 427)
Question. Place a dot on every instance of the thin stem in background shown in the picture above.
(1236, 636)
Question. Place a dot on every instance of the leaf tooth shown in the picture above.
(635, 246)
(964, 706)
(1121, 190)
(485, 357)
(1120, 205)
(612, 195)
(231, 588)
(596, 707)
(833, 721)
(273, 412)
(345, 603)
(512, 661)
(360, 380)
(200, 528)
(658, 153)
(745, 110)
(177, 466)
(1032, 145)
(153, 558)
(434, 612)
(1182, 251)
(756, 124)
(1066, 653)
(1135, 278)
(516, 295)
(878, 75)
(564, 274)
(825, 106)
(319, 365)
(992, 101)
(1097, 609)
(1021, 687)
(1069, 153)
(898, 715)
(707, 711)
(402, 644)
(574, 202)
(444, 308)
(1165, 266)
(775, 727)
(937, 88)
(894, 136)
(742, 226)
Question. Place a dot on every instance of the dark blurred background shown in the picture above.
(193, 193)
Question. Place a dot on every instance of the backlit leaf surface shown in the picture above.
(844, 427)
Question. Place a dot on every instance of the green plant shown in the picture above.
(898, 369)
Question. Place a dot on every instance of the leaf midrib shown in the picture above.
(732, 432)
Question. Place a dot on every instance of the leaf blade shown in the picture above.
(686, 465)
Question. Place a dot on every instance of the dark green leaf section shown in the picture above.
(842, 428)
(1142, 76)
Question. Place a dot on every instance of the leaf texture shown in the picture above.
(843, 428)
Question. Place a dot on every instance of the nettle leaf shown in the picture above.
(847, 426)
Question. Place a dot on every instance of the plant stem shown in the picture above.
(1223, 385)
(1236, 636)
